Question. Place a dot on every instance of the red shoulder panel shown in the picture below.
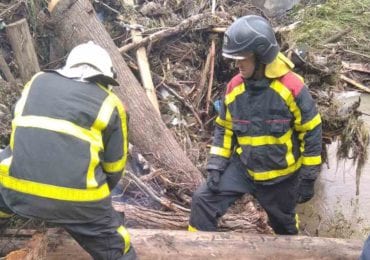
(292, 82)
(235, 81)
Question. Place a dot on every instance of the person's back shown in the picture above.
(56, 149)
(68, 149)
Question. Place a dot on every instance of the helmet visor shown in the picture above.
(237, 56)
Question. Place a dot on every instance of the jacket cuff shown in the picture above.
(309, 172)
(217, 163)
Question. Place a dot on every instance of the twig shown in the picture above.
(14, 6)
(212, 51)
(355, 84)
(290, 27)
(163, 201)
(144, 67)
(356, 67)
(203, 79)
(210, 79)
(357, 53)
(184, 25)
(337, 36)
(188, 105)
(278, 29)
(107, 6)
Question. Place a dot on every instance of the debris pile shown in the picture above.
(181, 42)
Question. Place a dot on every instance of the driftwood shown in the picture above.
(360, 67)
(76, 22)
(337, 36)
(21, 41)
(212, 51)
(35, 248)
(144, 67)
(249, 221)
(170, 244)
(358, 54)
(184, 25)
(355, 84)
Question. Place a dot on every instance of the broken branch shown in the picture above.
(184, 25)
(355, 84)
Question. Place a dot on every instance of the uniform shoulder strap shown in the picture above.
(293, 82)
(234, 82)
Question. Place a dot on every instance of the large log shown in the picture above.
(24, 52)
(75, 22)
(170, 244)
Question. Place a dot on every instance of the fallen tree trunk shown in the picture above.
(76, 22)
(170, 244)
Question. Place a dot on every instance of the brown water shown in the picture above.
(336, 211)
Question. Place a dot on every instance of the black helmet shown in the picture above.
(250, 33)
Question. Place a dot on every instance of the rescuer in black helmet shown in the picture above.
(267, 139)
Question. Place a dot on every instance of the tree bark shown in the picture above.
(249, 220)
(173, 244)
(75, 22)
(21, 41)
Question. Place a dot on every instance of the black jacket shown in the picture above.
(67, 137)
(272, 124)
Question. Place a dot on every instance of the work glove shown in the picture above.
(305, 190)
(213, 180)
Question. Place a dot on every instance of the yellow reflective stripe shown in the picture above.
(100, 123)
(268, 175)
(5, 215)
(286, 139)
(119, 164)
(297, 221)
(5, 165)
(287, 96)
(265, 139)
(228, 138)
(105, 113)
(18, 110)
(60, 126)
(311, 160)
(228, 117)
(239, 150)
(192, 229)
(220, 151)
(289, 157)
(230, 97)
(54, 192)
(22, 101)
(126, 238)
(94, 161)
(224, 123)
(310, 124)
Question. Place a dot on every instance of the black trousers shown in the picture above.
(104, 239)
(279, 200)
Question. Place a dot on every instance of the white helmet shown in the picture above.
(92, 54)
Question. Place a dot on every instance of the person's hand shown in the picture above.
(305, 190)
(213, 180)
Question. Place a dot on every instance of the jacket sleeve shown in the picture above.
(115, 144)
(223, 141)
(308, 125)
